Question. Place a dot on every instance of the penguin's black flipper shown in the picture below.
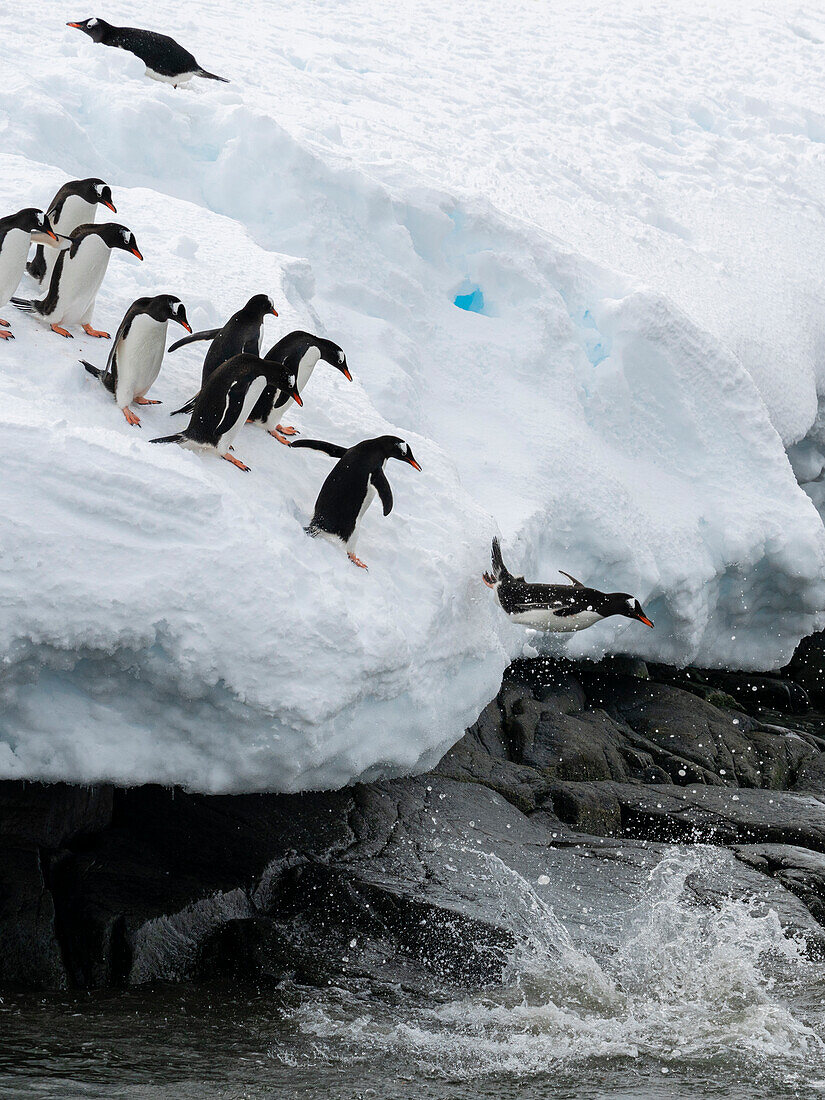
(331, 449)
(188, 407)
(210, 76)
(95, 371)
(379, 480)
(500, 570)
(36, 267)
(176, 438)
(206, 334)
(253, 346)
(102, 375)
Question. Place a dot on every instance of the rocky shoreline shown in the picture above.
(576, 777)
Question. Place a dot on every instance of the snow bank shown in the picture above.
(164, 618)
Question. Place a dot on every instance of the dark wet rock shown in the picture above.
(51, 814)
(807, 667)
(799, 870)
(29, 952)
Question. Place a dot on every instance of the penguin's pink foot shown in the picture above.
(146, 401)
(236, 462)
(62, 332)
(488, 580)
(131, 417)
(5, 335)
(96, 332)
(357, 561)
(277, 435)
(5, 324)
(288, 430)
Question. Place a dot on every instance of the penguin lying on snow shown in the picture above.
(17, 231)
(560, 608)
(164, 58)
(300, 352)
(74, 204)
(241, 333)
(77, 276)
(137, 351)
(226, 401)
(350, 488)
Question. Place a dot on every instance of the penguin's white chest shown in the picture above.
(368, 499)
(13, 253)
(181, 78)
(139, 357)
(256, 388)
(74, 212)
(309, 360)
(80, 280)
(542, 618)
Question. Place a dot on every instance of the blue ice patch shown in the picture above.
(472, 300)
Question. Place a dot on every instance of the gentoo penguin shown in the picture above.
(74, 204)
(17, 231)
(225, 402)
(241, 333)
(300, 351)
(137, 351)
(77, 276)
(559, 608)
(350, 488)
(164, 58)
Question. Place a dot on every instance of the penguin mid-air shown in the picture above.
(17, 231)
(137, 351)
(226, 400)
(74, 204)
(77, 276)
(300, 351)
(559, 608)
(241, 333)
(351, 487)
(164, 58)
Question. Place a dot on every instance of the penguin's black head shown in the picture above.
(32, 220)
(259, 305)
(393, 447)
(622, 603)
(171, 308)
(116, 236)
(334, 355)
(97, 29)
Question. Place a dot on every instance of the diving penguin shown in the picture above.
(137, 351)
(164, 58)
(17, 231)
(351, 487)
(300, 351)
(226, 400)
(74, 204)
(241, 333)
(77, 276)
(558, 608)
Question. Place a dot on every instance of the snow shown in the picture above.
(574, 258)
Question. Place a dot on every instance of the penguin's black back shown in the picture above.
(289, 351)
(158, 52)
(220, 401)
(342, 494)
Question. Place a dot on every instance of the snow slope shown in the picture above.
(638, 196)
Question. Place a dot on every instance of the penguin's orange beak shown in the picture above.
(52, 235)
(77, 26)
(644, 619)
(186, 325)
(274, 312)
(412, 462)
(110, 205)
(135, 252)
(296, 397)
(346, 374)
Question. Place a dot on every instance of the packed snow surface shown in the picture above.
(575, 260)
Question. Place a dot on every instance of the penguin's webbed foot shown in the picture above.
(146, 401)
(62, 332)
(277, 435)
(288, 430)
(5, 324)
(488, 580)
(96, 332)
(131, 417)
(236, 462)
(5, 335)
(357, 561)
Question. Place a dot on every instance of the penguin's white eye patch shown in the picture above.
(403, 448)
(92, 23)
(631, 604)
(340, 357)
(99, 189)
(292, 380)
(126, 235)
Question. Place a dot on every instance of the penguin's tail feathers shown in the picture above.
(500, 570)
(176, 438)
(36, 267)
(210, 76)
(311, 530)
(96, 372)
(26, 305)
(188, 407)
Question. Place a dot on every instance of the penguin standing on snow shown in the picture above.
(17, 231)
(225, 402)
(74, 204)
(137, 351)
(558, 608)
(349, 490)
(77, 276)
(164, 58)
(241, 333)
(300, 352)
